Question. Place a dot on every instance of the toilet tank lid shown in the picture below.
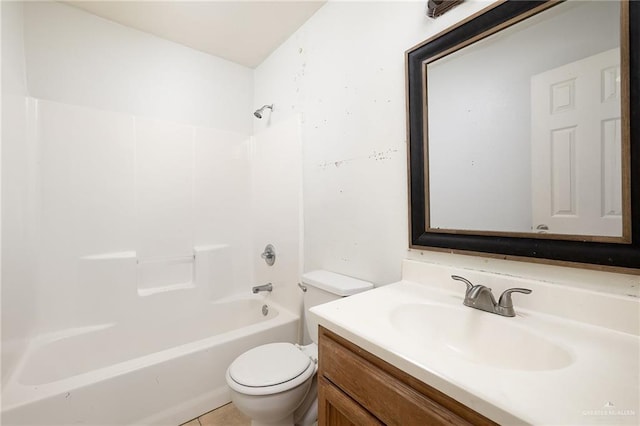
(338, 284)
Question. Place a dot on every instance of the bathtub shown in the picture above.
(163, 371)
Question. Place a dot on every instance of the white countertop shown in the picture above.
(595, 381)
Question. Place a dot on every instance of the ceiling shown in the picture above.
(245, 32)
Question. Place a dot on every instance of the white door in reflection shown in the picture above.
(575, 150)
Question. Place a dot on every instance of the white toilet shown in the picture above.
(275, 384)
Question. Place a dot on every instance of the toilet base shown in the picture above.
(273, 410)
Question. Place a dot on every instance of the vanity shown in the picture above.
(411, 353)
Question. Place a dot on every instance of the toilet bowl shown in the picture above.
(276, 384)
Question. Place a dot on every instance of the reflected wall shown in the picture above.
(480, 118)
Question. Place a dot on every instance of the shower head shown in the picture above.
(258, 112)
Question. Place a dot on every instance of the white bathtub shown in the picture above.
(163, 371)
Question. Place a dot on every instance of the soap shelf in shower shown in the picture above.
(172, 287)
(118, 255)
(208, 267)
(163, 274)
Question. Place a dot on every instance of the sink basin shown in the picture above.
(477, 336)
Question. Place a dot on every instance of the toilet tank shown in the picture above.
(325, 286)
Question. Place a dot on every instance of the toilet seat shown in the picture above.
(270, 369)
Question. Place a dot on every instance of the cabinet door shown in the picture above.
(337, 409)
(358, 388)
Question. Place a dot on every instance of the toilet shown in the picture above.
(275, 384)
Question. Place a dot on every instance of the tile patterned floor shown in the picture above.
(227, 415)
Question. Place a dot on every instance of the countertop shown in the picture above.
(597, 384)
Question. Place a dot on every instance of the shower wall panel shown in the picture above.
(19, 194)
(276, 207)
(88, 200)
(164, 211)
(125, 202)
(222, 202)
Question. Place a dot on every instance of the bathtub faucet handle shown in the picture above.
(259, 288)
(269, 255)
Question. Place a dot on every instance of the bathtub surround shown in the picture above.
(134, 183)
(154, 186)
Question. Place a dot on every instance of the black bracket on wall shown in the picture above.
(436, 8)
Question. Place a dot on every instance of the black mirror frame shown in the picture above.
(594, 255)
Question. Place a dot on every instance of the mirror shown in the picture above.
(507, 140)
(521, 127)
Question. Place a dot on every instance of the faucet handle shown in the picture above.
(464, 280)
(269, 255)
(505, 298)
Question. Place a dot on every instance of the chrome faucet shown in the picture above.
(264, 287)
(481, 297)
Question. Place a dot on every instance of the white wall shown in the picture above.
(77, 58)
(343, 72)
(19, 194)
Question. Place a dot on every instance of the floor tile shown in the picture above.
(227, 415)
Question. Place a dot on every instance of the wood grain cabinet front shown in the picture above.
(358, 388)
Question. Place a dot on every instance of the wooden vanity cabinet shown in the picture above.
(358, 388)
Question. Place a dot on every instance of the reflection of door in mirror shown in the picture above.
(576, 151)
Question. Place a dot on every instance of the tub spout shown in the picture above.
(265, 287)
